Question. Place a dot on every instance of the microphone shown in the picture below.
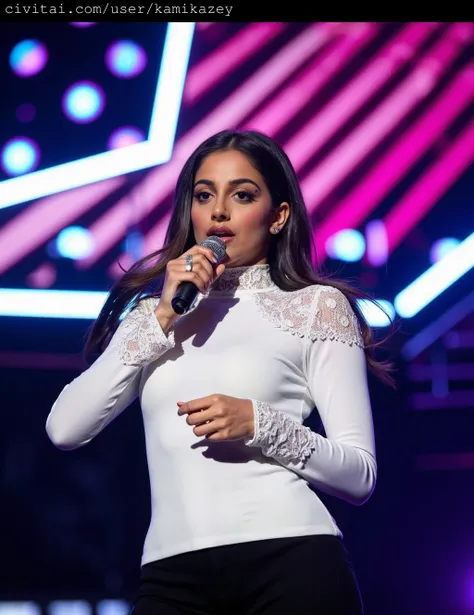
(187, 291)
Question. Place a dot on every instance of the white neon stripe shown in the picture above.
(436, 279)
(156, 150)
(51, 303)
(169, 89)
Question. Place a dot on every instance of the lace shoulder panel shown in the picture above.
(334, 318)
(289, 311)
(316, 312)
(141, 338)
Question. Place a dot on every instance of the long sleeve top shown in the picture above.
(291, 353)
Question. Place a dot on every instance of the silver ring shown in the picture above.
(189, 262)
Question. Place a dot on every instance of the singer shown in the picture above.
(237, 526)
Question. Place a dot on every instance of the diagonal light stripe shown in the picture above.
(436, 279)
(301, 90)
(43, 219)
(227, 57)
(387, 62)
(409, 94)
(376, 184)
(445, 323)
(426, 192)
(160, 183)
(116, 162)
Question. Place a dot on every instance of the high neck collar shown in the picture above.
(251, 277)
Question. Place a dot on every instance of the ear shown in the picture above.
(281, 214)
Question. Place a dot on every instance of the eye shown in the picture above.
(202, 196)
(244, 195)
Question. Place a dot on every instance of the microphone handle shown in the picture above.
(184, 297)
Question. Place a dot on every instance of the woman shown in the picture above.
(237, 525)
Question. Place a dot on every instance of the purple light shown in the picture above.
(125, 59)
(25, 113)
(377, 244)
(82, 24)
(83, 102)
(28, 58)
(125, 136)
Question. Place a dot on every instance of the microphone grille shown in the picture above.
(216, 245)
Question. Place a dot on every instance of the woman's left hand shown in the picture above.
(219, 417)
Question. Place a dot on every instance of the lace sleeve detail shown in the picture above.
(142, 339)
(334, 319)
(279, 436)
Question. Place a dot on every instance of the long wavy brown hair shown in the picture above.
(289, 257)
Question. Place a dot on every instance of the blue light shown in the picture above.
(113, 607)
(380, 313)
(74, 242)
(125, 59)
(28, 58)
(436, 279)
(83, 102)
(19, 608)
(442, 247)
(72, 607)
(346, 245)
(20, 155)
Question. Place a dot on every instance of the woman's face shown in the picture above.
(230, 192)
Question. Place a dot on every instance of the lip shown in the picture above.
(227, 239)
(214, 230)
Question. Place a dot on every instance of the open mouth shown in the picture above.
(224, 238)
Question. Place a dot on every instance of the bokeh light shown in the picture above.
(43, 276)
(442, 247)
(28, 58)
(83, 102)
(20, 155)
(25, 113)
(125, 136)
(125, 59)
(74, 242)
(346, 245)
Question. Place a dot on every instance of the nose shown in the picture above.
(219, 212)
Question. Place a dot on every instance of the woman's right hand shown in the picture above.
(202, 275)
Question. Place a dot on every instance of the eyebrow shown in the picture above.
(234, 182)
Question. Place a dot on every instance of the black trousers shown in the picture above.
(309, 575)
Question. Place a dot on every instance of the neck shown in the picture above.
(247, 277)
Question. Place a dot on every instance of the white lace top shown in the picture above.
(289, 352)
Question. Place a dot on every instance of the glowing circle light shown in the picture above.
(125, 136)
(20, 155)
(74, 242)
(125, 59)
(83, 102)
(346, 245)
(28, 58)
